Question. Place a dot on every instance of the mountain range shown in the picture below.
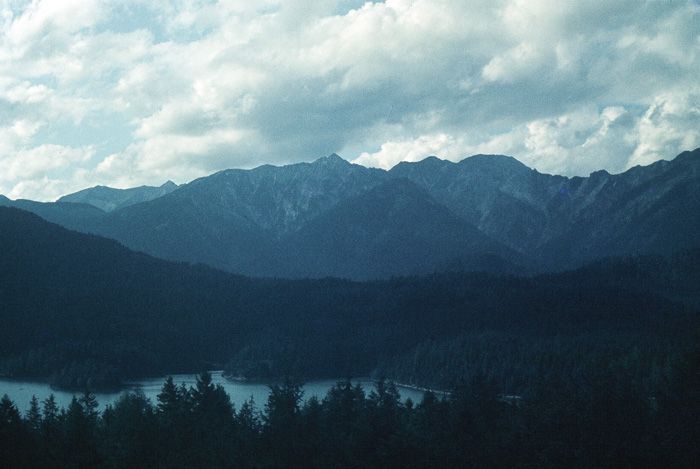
(333, 218)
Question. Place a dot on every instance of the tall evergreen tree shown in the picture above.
(33, 416)
(79, 445)
(212, 422)
(282, 418)
(90, 407)
(131, 431)
(49, 422)
(170, 398)
(345, 432)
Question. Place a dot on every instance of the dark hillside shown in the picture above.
(79, 309)
(68, 297)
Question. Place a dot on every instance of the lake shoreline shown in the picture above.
(21, 391)
(133, 384)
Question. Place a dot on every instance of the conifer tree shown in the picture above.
(49, 423)
(170, 398)
(282, 418)
(90, 408)
(33, 417)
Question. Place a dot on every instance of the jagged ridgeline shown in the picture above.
(81, 310)
(332, 218)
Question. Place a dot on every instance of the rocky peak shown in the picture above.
(331, 160)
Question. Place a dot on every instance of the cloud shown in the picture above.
(524, 60)
(392, 153)
(669, 124)
(574, 144)
(195, 86)
(17, 134)
(48, 19)
(41, 159)
(32, 167)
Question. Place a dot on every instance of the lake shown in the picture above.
(21, 392)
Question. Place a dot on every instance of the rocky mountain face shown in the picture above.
(651, 209)
(396, 228)
(561, 222)
(333, 218)
(500, 196)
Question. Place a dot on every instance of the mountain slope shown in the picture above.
(565, 222)
(394, 229)
(76, 299)
(234, 219)
(280, 200)
(74, 216)
(654, 209)
(499, 195)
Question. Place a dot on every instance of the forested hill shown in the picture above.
(79, 306)
(80, 310)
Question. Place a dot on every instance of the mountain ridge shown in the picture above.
(255, 222)
(108, 199)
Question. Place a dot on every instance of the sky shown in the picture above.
(127, 93)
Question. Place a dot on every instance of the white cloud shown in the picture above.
(42, 19)
(28, 93)
(17, 134)
(522, 61)
(42, 159)
(448, 147)
(26, 174)
(45, 188)
(203, 85)
(669, 126)
(573, 144)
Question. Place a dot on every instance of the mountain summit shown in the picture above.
(332, 159)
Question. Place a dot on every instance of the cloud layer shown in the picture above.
(129, 93)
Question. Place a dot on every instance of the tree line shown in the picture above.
(598, 420)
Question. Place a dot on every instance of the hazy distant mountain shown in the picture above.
(109, 199)
(74, 216)
(333, 218)
(652, 209)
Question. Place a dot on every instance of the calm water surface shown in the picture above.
(21, 392)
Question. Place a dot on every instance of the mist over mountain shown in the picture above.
(333, 218)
